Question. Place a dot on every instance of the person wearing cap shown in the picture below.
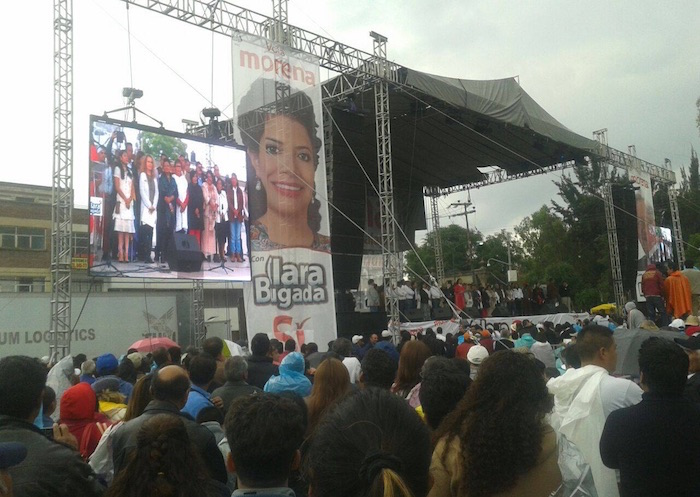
(388, 347)
(106, 367)
(585, 397)
(476, 355)
(655, 444)
(11, 454)
(692, 385)
(677, 290)
(51, 467)
(675, 325)
(357, 343)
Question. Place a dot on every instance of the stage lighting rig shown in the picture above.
(211, 113)
(132, 94)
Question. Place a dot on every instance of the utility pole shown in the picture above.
(466, 205)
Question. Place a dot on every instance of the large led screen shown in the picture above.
(166, 204)
(662, 246)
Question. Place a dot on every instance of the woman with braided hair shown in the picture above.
(165, 464)
(372, 444)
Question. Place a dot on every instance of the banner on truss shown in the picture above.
(278, 116)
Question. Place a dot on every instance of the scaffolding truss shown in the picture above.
(433, 193)
(390, 261)
(197, 319)
(62, 183)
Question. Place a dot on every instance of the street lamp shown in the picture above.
(467, 211)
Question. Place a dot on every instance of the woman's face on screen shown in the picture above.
(285, 165)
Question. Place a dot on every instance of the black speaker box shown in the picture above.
(500, 311)
(442, 313)
(414, 315)
(186, 255)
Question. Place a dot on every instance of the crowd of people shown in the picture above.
(671, 293)
(145, 203)
(525, 410)
(473, 300)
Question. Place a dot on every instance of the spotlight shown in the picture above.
(211, 112)
(132, 93)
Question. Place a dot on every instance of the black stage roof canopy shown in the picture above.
(443, 129)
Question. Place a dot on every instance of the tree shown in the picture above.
(493, 253)
(454, 252)
(156, 144)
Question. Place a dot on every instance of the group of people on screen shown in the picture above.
(147, 200)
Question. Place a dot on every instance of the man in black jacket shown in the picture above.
(656, 443)
(170, 388)
(260, 367)
(50, 467)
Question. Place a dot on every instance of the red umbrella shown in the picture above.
(150, 344)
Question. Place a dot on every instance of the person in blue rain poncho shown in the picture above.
(291, 377)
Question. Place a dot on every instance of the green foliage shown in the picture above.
(692, 250)
(454, 252)
(155, 145)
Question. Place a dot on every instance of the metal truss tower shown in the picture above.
(328, 150)
(200, 333)
(434, 194)
(615, 265)
(675, 220)
(386, 182)
(62, 186)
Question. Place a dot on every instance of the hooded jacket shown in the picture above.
(79, 413)
(678, 299)
(291, 377)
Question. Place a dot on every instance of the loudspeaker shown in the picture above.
(415, 315)
(442, 313)
(186, 255)
(500, 311)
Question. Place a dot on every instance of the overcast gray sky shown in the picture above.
(631, 66)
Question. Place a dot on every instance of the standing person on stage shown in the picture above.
(195, 209)
(165, 223)
(124, 208)
(565, 296)
(653, 291)
(677, 290)
(211, 204)
(235, 217)
(148, 186)
(459, 290)
(372, 296)
(221, 227)
(182, 200)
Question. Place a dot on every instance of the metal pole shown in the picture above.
(390, 263)
(62, 187)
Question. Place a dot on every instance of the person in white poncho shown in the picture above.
(584, 397)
